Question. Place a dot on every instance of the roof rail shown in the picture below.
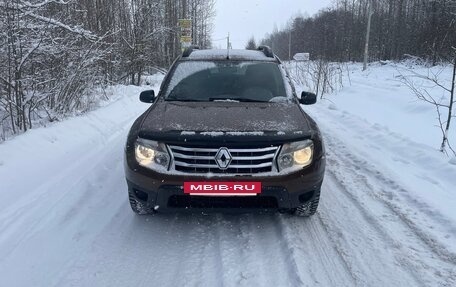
(189, 50)
(267, 51)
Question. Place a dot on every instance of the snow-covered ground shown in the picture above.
(387, 215)
(378, 118)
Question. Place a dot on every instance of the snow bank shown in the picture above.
(44, 148)
(380, 97)
(376, 124)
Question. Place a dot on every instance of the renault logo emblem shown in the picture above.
(223, 158)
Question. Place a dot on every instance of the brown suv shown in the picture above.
(225, 132)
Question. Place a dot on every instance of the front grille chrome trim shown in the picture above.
(232, 150)
(245, 161)
(267, 164)
(179, 155)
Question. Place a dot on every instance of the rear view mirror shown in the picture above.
(147, 96)
(308, 98)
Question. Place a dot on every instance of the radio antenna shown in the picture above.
(228, 47)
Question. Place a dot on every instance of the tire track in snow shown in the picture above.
(59, 238)
(226, 252)
(28, 217)
(218, 258)
(233, 248)
(21, 212)
(425, 220)
(309, 242)
(165, 266)
(139, 247)
(407, 222)
(371, 179)
(252, 253)
(281, 256)
(345, 263)
(370, 246)
(340, 167)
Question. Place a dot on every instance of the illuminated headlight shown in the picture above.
(295, 156)
(152, 154)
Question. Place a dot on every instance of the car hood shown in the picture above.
(223, 119)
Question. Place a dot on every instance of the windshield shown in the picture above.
(241, 81)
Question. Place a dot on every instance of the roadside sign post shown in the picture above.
(301, 57)
(185, 26)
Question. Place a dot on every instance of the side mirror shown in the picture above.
(147, 96)
(308, 98)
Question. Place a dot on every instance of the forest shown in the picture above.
(53, 53)
(399, 29)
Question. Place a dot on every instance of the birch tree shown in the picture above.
(55, 53)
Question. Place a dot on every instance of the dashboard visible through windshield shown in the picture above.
(241, 81)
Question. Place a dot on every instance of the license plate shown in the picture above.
(222, 188)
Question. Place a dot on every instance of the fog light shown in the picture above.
(161, 159)
(285, 161)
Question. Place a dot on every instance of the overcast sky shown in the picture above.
(244, 18)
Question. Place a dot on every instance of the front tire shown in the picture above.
(139, 207)
(309, 208)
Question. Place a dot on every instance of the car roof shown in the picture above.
(234, 54)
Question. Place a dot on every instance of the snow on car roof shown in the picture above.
(235, 54)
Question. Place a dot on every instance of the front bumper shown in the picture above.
(164, 192)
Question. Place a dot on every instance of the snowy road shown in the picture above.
(65, 220)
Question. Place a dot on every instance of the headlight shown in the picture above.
(295, 156)
(152, 154)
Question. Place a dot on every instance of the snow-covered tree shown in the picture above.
(251, 44)
(54, 52)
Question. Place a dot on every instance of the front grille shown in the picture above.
(196, 160)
